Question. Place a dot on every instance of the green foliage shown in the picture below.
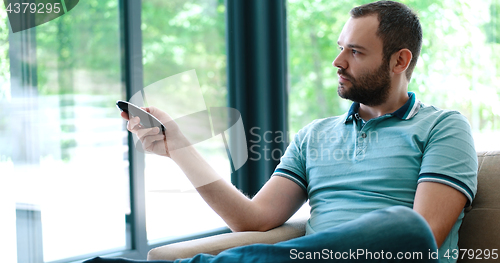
(182, 35)
(79, 52)
(4, 55)
(492, 28)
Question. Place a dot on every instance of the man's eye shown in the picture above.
(340, 48)
(354, 51)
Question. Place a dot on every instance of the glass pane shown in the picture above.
(7, 198)
(180, 36)
(63, 142)
(458, 68)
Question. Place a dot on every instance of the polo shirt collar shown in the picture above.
(406, 112)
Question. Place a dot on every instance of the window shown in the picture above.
(65, 190)
(180, 36)
(458, 68)
(62, 140)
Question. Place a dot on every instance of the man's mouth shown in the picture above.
(343, 79)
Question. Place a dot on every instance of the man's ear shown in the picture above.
(401, 60)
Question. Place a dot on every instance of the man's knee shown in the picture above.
(403, 215)
(404, 223)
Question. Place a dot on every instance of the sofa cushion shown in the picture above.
(480, 229)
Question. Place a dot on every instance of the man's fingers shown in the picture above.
(149, 141)
(133, 124)
(135, 127)
(124, 115)
(141, 133)
(163, 117)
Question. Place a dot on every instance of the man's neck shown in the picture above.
(395, 101)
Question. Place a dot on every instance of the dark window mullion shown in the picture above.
(132, 77)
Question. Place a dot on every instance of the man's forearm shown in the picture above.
(238, 211)
(194, 166)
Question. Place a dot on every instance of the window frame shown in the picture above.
(22, 47)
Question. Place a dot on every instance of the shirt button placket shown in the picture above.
(360, 143)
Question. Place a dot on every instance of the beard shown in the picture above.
(371, 88)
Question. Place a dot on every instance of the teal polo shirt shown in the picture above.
(349, 167)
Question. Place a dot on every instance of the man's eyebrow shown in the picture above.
(353, 46)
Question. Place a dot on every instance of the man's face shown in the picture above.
(363, 74)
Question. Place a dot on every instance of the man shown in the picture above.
(392, 176)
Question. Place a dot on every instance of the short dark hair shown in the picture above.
(399, 28)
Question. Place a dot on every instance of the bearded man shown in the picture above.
(391, 176)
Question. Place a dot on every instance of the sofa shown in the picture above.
(480, 229)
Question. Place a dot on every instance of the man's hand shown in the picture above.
(152, 140)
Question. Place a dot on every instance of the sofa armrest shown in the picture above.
(218, 243)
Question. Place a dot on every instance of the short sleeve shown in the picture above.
(450, 157)
(292, 163)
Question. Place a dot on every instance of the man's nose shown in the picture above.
(340, 62)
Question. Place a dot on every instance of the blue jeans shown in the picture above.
(395, 234)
